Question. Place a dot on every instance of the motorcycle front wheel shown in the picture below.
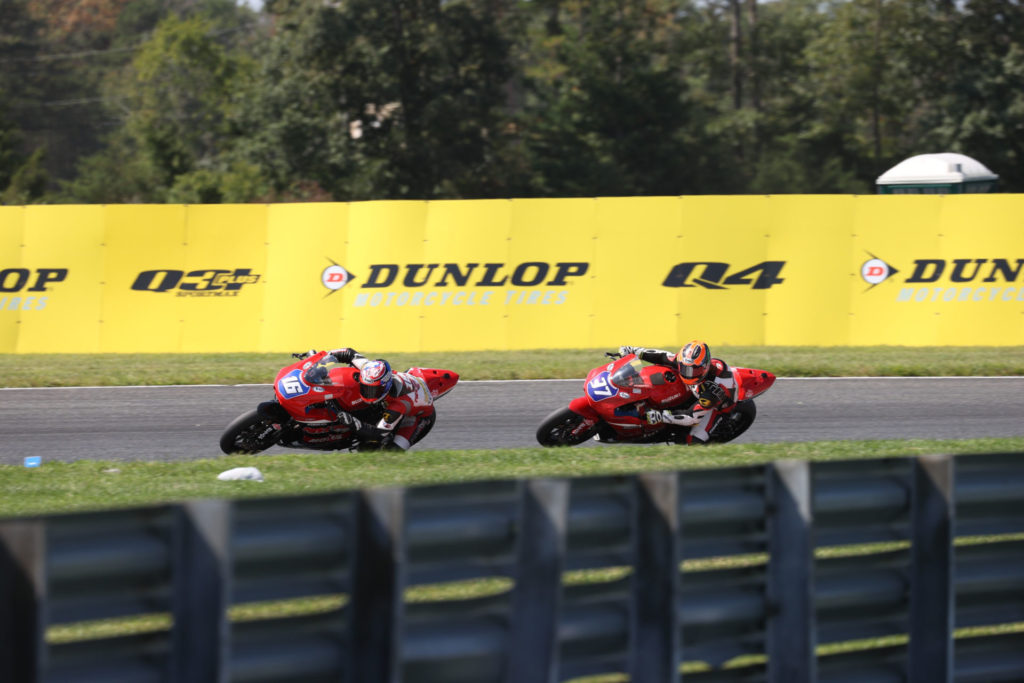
(737, 421)
(561, 428)
(247, 434)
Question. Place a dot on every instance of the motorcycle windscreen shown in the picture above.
(628, 375)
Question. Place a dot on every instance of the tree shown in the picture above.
(370, 99)
(979, 103)
(23, 178)
(609, 109)
(796, 144)
(362, 98)
(28, 182)
(179, 96)
(79, 23)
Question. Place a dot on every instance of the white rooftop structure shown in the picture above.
(948, 170)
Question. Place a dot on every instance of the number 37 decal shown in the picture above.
(600, 388)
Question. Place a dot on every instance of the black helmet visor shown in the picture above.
(372, 391)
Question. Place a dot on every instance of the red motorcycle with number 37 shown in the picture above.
(618, 395)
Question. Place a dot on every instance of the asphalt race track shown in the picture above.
(185, 422)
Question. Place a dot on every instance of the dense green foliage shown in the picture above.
(208, 101)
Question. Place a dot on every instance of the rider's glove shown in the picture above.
(350, 421)
(344, 418)
(626, 350)
(655, 417)
(344, 355)
(682, 419)
(712, 395)
(668, 417)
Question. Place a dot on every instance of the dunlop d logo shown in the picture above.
(951, 280)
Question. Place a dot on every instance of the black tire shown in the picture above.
(248, 434)
(557, 428)
(735, 423)
(423, 429)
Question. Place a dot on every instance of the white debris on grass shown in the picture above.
(241, 474)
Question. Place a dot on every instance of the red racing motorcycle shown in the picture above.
(618, 395)
(312, 398)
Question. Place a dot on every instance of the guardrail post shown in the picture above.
(201, 636)
(791, 636)
(23, 596)
(932, 588)
(377, 612)
(655, 650)
(532, 655)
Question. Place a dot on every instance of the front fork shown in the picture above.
(581, 406)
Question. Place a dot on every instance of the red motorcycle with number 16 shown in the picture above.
(619, 395)
(314, 402)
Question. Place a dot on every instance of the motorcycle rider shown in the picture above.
(408, 408)
(710, 382)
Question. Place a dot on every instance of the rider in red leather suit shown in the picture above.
(711, 385)
(407, 407)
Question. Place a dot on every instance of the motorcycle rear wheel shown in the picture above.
(248, 434)
(557, 429)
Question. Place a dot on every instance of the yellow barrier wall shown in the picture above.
(514, 274)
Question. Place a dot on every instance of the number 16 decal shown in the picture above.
(291, 385)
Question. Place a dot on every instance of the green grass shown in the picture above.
(90, 485)
(61, 370)
(87, 484)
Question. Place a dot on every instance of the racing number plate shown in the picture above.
(291, 385)
(601, 388)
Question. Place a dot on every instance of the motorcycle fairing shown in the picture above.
(634, 387)
(600, 387)
(306, 401)
(291, 385)
(581, 406)
(751, 383)
(439, 382)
